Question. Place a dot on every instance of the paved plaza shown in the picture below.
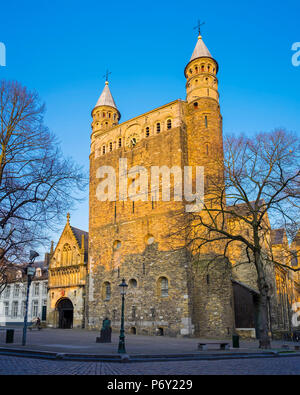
(84, 341)
(258, 366)
(80, 342)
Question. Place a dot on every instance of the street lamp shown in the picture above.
(123, 287)
(30, 271)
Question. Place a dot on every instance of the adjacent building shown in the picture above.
(13, 298)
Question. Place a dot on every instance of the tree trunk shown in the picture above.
(263, 321)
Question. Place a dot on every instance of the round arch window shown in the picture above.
(106, 291)
(132, 283)
(163, 287)
(117, 244)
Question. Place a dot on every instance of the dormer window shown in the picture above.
(19, 274)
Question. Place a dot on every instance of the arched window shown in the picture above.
(196, 69)
(202, 67)
(103, 149)
(106, 291)
(169, 124)
(103, 114)
(158, 127)
(120, 142)
(110, 146)
(132, 283)
(208, 68)
(163, 287)
(117, 244)
(147, 131)
(196, 105)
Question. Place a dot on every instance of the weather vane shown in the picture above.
(106, 75)
(199, 27)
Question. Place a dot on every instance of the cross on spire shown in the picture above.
(106, 75)
(199, 27)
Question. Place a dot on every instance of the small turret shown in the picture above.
(105, 114)
(201, 73)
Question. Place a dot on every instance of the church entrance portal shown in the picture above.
(65, 314)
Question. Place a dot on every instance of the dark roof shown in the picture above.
(78, 234)
(242, 208)
(14, 269)
(247, 287)
(277, 236)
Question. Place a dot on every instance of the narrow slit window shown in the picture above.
(103, 149)
(169, 124)
(158, 127)
(120, 142)
(206, 122)
(147, 132)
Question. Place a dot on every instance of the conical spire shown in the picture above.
(200, 50)
(106, 98)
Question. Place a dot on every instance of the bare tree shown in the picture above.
(259, 180)
(37, 184)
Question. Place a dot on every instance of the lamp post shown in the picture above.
(30, 271)
(123, 287)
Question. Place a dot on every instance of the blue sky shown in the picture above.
(63, 48)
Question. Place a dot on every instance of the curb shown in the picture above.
(125, 358)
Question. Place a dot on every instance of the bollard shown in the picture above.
(10, 335)
(235, 341)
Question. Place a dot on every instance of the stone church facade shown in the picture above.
(135, 237)
(130, 238)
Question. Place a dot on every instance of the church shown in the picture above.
(130, 238)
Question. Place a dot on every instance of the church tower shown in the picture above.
(210, 284)
(203, 117)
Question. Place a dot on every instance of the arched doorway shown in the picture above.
(65, 313)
